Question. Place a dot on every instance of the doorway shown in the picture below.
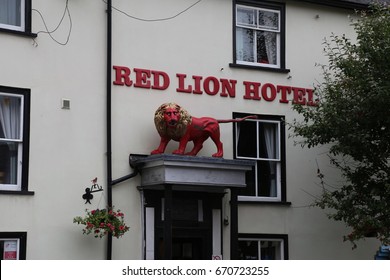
(185, 248)
(195, 227)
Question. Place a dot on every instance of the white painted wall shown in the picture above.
(67, 147)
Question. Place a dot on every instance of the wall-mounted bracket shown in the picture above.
(88, 191)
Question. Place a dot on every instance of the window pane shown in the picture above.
(246, 16)
(9, 249)
(246, 139)
(266, 47)
(250, 189)
(270, 250)
(248, 250)
(10, 12)
(10, 117)
(8, 162)
(269, 20)
(267, 178)
(245, 44)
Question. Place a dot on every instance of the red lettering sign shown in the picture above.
(268, 92)
(143, 78)
(122, 76)
(159, 80)
(252, 90)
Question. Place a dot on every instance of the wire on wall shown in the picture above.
(156, 19)
(46, 31)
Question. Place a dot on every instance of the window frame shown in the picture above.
(281, 166)
(21, 238)
(283, 238)
(23, 150)
(265, 6)
(25, 27)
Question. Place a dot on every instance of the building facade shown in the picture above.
(80, 82)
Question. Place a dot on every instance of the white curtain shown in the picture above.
(10, 125)
(10, 117)
(270, 19)
(271, 146)
(270, 46)
(10, 12)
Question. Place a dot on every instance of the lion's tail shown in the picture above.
(237, 120)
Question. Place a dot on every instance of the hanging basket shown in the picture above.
(101, 222)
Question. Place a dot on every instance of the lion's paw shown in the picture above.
(156, 152)
(218, 154)
(178, 152)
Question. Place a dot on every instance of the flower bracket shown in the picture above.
(88, 191)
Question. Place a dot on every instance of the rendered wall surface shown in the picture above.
(68, 147)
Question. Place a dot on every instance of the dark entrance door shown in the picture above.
(191, 224)
(187, 248)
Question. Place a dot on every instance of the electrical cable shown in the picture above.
(157, 19)
(66, 11)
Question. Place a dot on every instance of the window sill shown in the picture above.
(279, 203)
(18, 33)
(17, 192)
(262, 68)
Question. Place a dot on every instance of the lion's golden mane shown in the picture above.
(181, 127)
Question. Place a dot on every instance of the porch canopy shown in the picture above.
(197, 173)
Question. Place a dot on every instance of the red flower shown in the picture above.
(102, 222)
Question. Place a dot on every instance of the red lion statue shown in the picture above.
(175, 123)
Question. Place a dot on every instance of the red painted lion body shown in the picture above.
(174, 123)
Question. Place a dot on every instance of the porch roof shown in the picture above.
(159, 170)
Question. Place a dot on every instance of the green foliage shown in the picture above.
(353, 118)
(100, 222)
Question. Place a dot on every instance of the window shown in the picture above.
(262, 247)
(259, 35)
(14, 130)
(15, 15)
(13, 245)
(262, 140)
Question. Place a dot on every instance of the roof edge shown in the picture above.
(338, 4)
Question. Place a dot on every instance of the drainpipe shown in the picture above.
(108, 120)
(110, 182)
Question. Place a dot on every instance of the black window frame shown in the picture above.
(245, 192)
(266, 5)
(26, 93)
(22, 236)
(27, 23)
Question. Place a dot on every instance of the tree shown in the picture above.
(353, 117)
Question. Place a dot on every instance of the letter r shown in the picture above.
(122, 76)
